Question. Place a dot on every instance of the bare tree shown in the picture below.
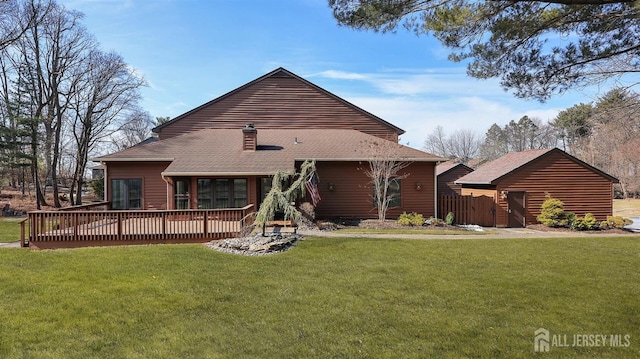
(436, 142)
(65, 42)
(107, 92)
(385, 166)
(135, 129)
(464, 145)
(59, 89)
(17, 17)
(45, 56)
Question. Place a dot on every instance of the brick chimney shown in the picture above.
(249, 137)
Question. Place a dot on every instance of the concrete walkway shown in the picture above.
(10, 245)
(492, 233)
(503, 233)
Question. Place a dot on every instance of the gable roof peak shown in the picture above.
(281, 72)
(490, 172)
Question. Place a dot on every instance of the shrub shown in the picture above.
(434, 221)
(552, 213)
(97, 186)
(418, 220)
(450, 219)
(411, 219)
(404, 219)
(617, 221)
(586, 223)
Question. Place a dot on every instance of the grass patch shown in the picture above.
(626, 207)
(10, 229)
(438, 232)
(329, 297)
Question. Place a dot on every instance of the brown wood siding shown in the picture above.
(154, 189)
(276, 103)
(581, 189)
(352, 196)
(501, 204)
(446, 180)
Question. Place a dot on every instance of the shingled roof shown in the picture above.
(220, 151)
(489, 173)
(445, 167)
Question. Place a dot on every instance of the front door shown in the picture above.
(516, 202)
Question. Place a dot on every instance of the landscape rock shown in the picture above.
(256, 245)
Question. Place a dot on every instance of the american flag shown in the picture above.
(312, 188)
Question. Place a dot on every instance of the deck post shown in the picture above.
(75, 226)
(164, 225)
(22, 232)
(119, 226)
(33, 224)
(206, 223)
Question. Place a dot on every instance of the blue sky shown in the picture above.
(191, 51)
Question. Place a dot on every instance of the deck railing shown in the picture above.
(53, 229)
(95, 206)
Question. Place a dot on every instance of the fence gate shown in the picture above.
(468, 209)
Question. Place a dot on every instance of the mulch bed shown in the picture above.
(387, 224)
(543, 228)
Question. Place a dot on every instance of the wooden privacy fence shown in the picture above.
(468, 209)
(56, 229)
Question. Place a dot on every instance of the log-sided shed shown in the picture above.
(520, 182)
(449, 172)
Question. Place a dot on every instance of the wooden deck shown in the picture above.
(60, 229)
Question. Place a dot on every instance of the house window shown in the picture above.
(126, 193)
(181, 193)
(222, 193)
(265, 187)
(205, 193)
(394, 192)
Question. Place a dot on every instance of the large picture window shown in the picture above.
(222, 193)
(126, 193)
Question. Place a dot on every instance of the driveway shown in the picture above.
(635, 226)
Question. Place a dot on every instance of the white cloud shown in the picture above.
(420, 116)
(341, 75)
(416, 82)
(419, 100)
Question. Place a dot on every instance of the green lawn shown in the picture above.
(10, 229)
(340, 297)
(626, 207)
